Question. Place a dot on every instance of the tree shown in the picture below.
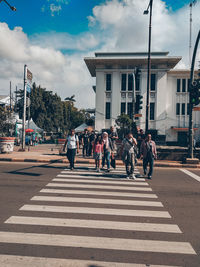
(125, 124)
(5, 125)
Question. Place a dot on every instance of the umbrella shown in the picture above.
(29, 130)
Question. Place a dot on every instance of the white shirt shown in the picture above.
(71, 141)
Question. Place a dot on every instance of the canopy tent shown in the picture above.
(82, 127)
(33, 126)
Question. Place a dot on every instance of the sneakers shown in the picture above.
(132, 176)
(149, 177)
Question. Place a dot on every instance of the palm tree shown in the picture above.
(70, 99)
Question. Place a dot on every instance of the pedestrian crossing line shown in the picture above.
(97, 193)
(95, 224)
(99, 187)
(102, 178)
(85, 180)
(97, 242)
(24, 261)
(97, 211)
(98, 201)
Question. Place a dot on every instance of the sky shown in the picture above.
(53, 36)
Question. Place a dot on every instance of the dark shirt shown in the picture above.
(85, 138)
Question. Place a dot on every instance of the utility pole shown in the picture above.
(24, 111)
(192, 3)
(146, 12)
(10, 98)
(191, 130)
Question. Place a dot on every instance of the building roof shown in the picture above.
(129, 60)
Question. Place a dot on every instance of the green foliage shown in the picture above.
(50, 113)
(125, 124)
(5, 125)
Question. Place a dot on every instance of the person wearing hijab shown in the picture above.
(107, 150)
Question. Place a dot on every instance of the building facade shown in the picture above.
(116, 86)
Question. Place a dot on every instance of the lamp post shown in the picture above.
(11, 7)
(146, 12)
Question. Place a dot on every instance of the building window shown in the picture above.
(188, 108)
(137, 83)
(183, 109)
(123, 108)
(178, 87)
(107, 110)
(183, 85)
(108, 82)
(123, 82)
(152, 111)
(130, 109)
(177, 108)
(153, 82)
(130, 82)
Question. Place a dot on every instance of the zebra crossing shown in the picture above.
(92, 213)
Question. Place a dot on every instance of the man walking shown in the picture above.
(148, 153)
(128, 154)
(85, 143)
(72, 144)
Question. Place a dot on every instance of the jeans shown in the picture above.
(71, 153)
(85, 149)
(150, 161)
(129, 161)
(106, 157)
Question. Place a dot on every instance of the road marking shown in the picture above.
(24, 261)
(98, 201)
(96, 242)
(99, 187)
(85, 180)
(97, 193)
(98, 177)
(196, 177)
(113, 225)
(97, 211)
(102, 178)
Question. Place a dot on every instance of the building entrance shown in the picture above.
(182, 139)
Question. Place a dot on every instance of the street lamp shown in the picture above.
(146, 12)
(11, 7)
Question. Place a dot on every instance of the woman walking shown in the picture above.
(98, 149)
(107, 149)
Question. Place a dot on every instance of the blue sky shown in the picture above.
(53, 36)
(35, 16)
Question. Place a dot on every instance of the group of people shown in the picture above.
(104, 149)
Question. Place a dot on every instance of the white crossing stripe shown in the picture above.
(97, 193)
(102, 178)
(99, 187)
(113, 225)
(97, 177)
(97, 211)
(101, 182)
(24, 261)
(98, 201)
(96, 242)
(194, 176)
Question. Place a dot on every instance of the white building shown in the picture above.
(168, 93)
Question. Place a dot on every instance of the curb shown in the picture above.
(163, 165)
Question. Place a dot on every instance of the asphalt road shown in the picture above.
(86, 219)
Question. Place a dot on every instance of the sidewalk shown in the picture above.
(49, 153)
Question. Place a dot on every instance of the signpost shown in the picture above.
(27, 78)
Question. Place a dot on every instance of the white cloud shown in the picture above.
(125, 28)
(56, 59)
(61, 73)
(54, 6)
